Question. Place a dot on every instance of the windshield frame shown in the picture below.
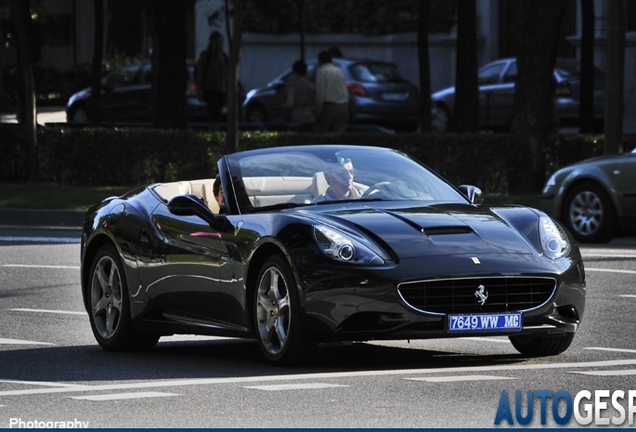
(286, 177)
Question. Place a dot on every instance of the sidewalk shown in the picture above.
(46, 114)
(41, 218)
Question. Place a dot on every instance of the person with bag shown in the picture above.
(300, 100)
(211, 77)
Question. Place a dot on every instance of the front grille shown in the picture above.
(505, 294)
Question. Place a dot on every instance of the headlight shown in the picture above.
(554, 241)
(341, 247)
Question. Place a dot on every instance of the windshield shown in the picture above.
(376, 72)
(316, 175)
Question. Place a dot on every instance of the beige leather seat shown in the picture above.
(319, 184)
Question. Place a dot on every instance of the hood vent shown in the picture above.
(447, 230)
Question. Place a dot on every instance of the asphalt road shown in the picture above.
(52, 370)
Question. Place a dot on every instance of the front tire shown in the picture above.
(278, 318)
(110, 317)
(443, 119)
(540, 346)
(589, 214)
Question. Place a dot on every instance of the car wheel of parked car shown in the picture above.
(589, 214)
(539, 346)
(256, 114)
(78, 115)
(442, 119)
(109, 305)
(278, 316)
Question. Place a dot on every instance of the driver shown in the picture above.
(340, 180)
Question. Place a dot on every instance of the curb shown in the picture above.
(42, 218)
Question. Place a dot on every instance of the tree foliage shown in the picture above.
(368, 17)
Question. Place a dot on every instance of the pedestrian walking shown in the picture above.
(211, 77)
(301, 99)
(332, 96)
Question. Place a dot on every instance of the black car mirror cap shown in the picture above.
(191, 205)
(473, 193)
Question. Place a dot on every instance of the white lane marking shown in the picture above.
(40, 266)
(40, 239)
(610, 270)
(42, 383)
(484, 339)
(625, 350)
(623, 372)
(459, 378)
(604, 253)
(5, 341)
(48, 311)
(121, 396)
(191, 338)
(270, 378)
(628, 295)
(276, 387)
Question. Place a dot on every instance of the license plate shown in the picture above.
(395, 96)
(484, 322)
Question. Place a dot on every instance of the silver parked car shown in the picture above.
(497, 90)
(378, 95)
(596, 198)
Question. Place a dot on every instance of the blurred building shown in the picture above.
(65, 33)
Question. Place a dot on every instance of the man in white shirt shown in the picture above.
(332, 96)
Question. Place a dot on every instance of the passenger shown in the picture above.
(217, 190)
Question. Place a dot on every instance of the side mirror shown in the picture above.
(191, 205)
(473, 193)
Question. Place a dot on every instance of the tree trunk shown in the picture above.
(615, 78)
(586, 98)
(232, 143)
(538, 24)
(425, 65)
(28, 115)
(169, 71)
(96, 65)
(466, 118)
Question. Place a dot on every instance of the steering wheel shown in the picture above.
(374, 189)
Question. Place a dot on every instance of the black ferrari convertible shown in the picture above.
(316, 244)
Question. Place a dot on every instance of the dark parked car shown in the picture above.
(288, 263)
(596, 198)
(126, 98)
(497, 91)
(378, 95)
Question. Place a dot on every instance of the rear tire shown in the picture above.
(539, 346)
(256, 114)
(78, 115)
(109, 313)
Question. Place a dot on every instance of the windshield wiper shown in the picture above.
(351, 200)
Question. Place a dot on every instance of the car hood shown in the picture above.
(599, 160)
(441, 94)
(438, 229)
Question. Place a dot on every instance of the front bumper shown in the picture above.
(365, 305)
